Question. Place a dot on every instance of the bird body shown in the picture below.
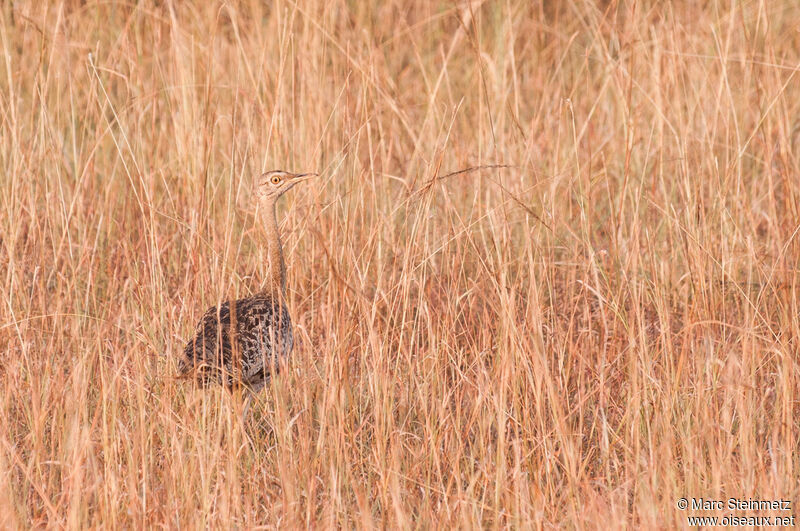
(241, 342)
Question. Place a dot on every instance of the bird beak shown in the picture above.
(297, 178)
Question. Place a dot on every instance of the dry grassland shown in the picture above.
(548, 277)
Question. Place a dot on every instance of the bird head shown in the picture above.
(273, 184)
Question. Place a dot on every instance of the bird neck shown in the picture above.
(276, 277)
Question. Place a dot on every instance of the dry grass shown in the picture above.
(577, 339)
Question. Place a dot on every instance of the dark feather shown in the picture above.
(239, 343)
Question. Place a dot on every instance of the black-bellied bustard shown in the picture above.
(241, 342)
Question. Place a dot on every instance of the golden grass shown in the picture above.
(578, 339)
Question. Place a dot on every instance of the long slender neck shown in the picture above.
(276, 278)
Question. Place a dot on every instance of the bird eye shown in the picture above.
(275, 179)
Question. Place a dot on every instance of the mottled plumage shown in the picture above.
(242, 342)
(239, 342)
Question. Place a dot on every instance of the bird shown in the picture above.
(240, 343)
